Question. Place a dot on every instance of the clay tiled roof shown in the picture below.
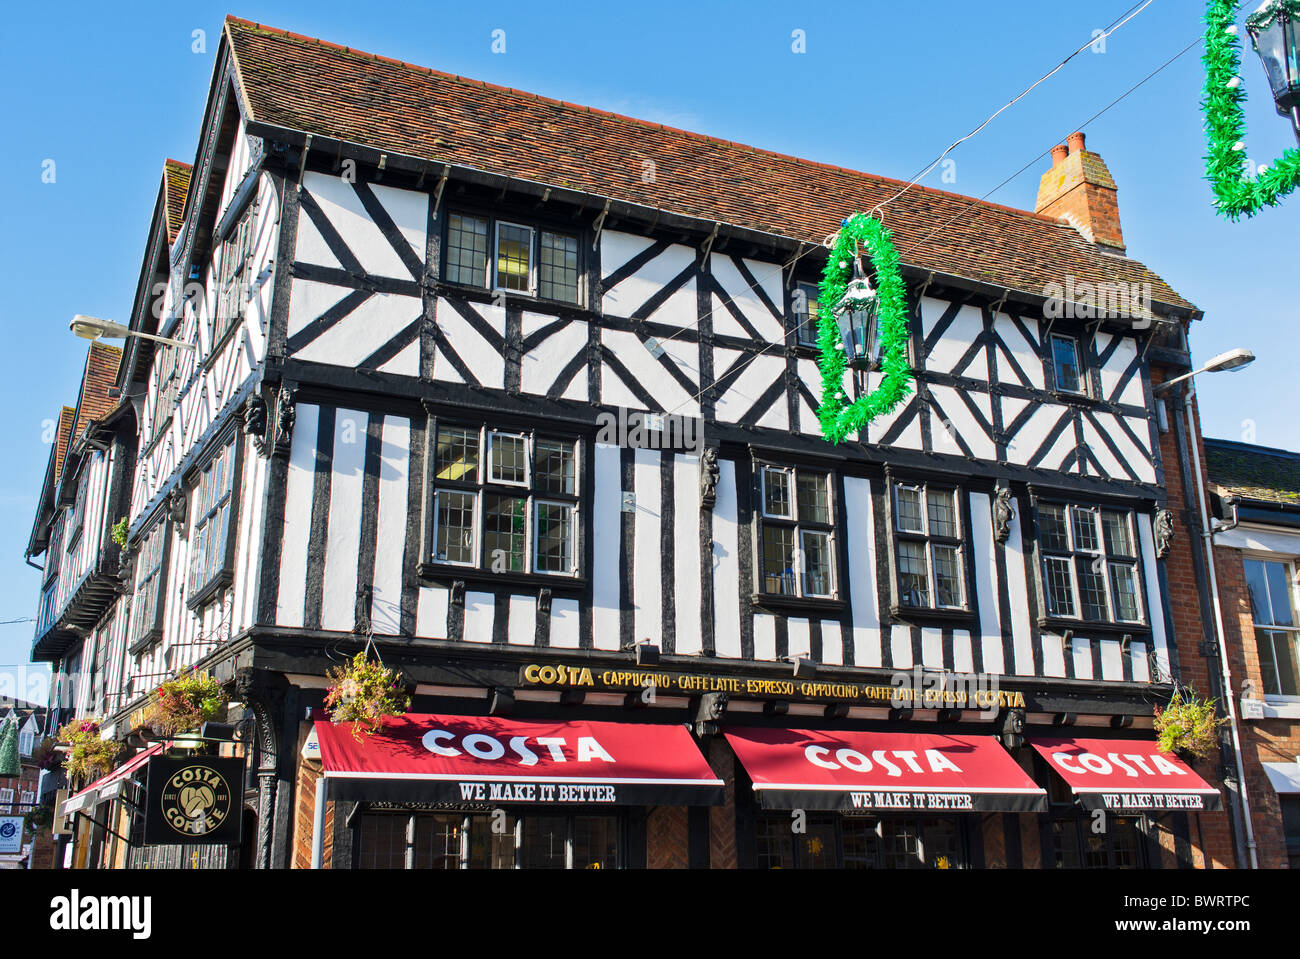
(303, 84)
(101, 371)
(176, 183)
(1253, 472)
(61, 437)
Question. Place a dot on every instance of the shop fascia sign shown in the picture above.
(917, 688)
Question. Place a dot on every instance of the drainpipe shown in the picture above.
(1207, 538)
(318, 824)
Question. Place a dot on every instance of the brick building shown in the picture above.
(1256, 501)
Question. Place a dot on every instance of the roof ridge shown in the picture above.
(362, 54)
(1252, 448)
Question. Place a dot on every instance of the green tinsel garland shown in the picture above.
(1225, 123)
(838, 417)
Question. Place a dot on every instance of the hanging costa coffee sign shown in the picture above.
(193, 800)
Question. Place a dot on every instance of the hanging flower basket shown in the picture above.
(1188, 725)
(88, 756)
(364, 693)
(183, 704)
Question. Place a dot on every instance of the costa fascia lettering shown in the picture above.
(1081, 763)
(856, 761)
(482, 746)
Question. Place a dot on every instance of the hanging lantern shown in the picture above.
(1275, 31)
(857, 316)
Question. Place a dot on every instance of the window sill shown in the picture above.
(145, 642)
(483, 294)
(1057, 625)
(781, 603)
(216, 584)
(923, 616)
(446, 573)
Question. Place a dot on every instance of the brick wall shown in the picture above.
(1267, 740)
(1212, 835)
(304, 810)
(722, 819)
(667, 843)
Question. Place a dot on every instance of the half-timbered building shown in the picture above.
(524, 394)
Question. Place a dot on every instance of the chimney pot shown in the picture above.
(1076, 141)
(1059, 153)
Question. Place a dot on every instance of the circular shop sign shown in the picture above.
(196, 800)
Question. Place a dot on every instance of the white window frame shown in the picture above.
(26, 740)
(1291, 565)
(474, 528)
(532, 258)
(6, 801)
(790, 493)
(536, 536)
(526, 483)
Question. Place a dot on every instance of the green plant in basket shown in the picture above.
(1188, 725)
(184, 703)
(89, 756)
(364, 693)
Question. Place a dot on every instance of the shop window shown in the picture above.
(1277, 636)
(929, 547)
(452, 840)
(511, 511)
(859, 842)
(1089, 564)
(797, 554)
(1076, 846)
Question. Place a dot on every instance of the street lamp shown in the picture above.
(857, 315)
(1232, 360)
(92, 328)
(1275, 31)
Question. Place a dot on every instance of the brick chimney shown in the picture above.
(1079, 188)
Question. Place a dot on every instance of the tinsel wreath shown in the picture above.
(1225, 123)
(838, 417)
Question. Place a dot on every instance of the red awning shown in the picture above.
(489, 759)
(888, 772)
(87, 797)
(1127, 775)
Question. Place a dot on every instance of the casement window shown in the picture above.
(929, 549)
(797, 539)
(150, 576)
(210, 539)
(76, 519)
(1090, 563)
(6, 801)
(455, 840)
(26, 741)
(166, 387)
(1067, 368)
(1272, 587)
(805, 309)
(27, 798)
(514, 257)
(235, 266)
(505, 501)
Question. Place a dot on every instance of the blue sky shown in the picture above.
(107, 92)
